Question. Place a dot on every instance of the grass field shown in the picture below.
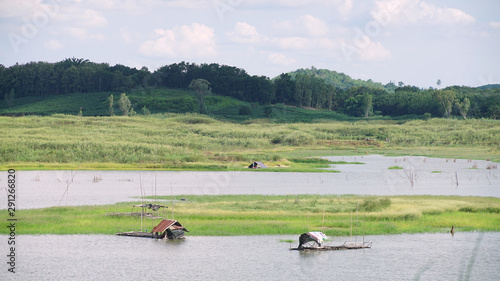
(199, 142)
(291, 214)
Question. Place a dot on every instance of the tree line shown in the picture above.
(308, 88)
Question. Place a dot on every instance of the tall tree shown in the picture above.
(463, 107)
(284, 89)
(445, 98)
(111, 101)
(202, 88)
(367, 104)
(124, 104)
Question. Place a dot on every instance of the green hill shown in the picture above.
(164, 100)
(78, 86)
(489, 86)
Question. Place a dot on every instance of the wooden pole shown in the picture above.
(323, 223)
(172, 196)
(356, 237)
(351, 226)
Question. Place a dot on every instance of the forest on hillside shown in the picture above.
(308, 88)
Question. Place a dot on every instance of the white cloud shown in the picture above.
(77, 32)
(53, 45)
(363, 48)
(374, 51)
(495, 24)
(313, 26)
(186, 41)
(127, 35)
(305, 25)
(81, 33)
(244, 33)
(28, 8)
(280, 59)
(306, 34)
(344, 7)
(72, 16)
(91, 18)
(293, 43)
(418, 12)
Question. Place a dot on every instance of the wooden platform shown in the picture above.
(144, 215)
(346, 246)
(137, 234)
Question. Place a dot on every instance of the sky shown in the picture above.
(417, 42)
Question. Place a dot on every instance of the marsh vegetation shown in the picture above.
(199, 142)
(286, 214)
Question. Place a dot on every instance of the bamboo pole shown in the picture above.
(351, 226)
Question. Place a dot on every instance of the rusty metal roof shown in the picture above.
(163, 225)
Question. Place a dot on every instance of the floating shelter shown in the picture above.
(257, 165)
(312, 241)
(166, 229)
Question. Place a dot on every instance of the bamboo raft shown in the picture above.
(166, 229)
(137, 234)
(345, 246)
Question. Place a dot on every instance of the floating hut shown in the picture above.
(166, 229)
(312, 241)
(257, 165)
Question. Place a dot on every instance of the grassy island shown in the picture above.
(288, 214)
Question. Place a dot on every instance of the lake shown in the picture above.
(464, 256)
(416, 176)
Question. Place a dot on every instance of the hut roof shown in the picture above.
(261, 165)
(165, 224)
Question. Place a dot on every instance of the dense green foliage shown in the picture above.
(305, 88)
(340, 80)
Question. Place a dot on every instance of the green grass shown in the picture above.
(91, 104)
(199, 142)
(287, 214)
(395, 168)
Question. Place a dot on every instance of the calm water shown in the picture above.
(466, 256)
(432, 176)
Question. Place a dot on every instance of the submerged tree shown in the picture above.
(202, 88)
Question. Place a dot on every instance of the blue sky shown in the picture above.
(413, 41)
